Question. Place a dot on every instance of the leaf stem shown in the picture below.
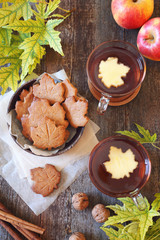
(155, 146)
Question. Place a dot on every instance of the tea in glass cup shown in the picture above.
(119, 151)
(123, 55)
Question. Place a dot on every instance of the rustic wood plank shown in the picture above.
(91, 24)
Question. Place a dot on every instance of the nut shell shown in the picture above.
(77, 236)
(100, 213)
(80, 201)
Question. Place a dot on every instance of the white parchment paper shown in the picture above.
(15, 163)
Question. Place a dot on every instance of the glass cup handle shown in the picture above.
(102, 105)
(139, 202)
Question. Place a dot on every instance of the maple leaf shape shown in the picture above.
(76, 109)
(156, 202)
(5, 36)
(130, 212)
(147, 138)
(121, 164)
(47, 135)
(32, 49)
(41, 108)
(52, 36)
(70, 90)
(111, 72)
(22, 106)
(15, 11)
(49, 90)
(45, 179)
(154, 231)
(9, 76)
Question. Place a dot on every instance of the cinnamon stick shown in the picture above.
(19, 222)
(11, 231)
(29, 235)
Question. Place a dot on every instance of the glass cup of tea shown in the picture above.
(127, 55)
(128, 186)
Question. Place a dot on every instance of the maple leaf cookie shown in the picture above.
(70, 90)
(45, 179)
(76, 109)
(48, 89)
(47, 135)
(22, 106)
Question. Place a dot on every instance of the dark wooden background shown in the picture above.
(91, 24)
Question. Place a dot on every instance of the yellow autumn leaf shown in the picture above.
(32, 50)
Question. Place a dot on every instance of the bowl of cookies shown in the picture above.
(48, 116)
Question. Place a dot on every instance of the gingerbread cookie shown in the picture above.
(41, 108)
(47, 135)
(22, 106)
(45, 179)
(76, 109)
(70, 90)
(48, 89)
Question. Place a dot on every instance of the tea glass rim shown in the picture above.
(126, 194)
(105, 94)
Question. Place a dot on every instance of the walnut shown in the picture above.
(80, 201)
(77, 236)
(100, 213)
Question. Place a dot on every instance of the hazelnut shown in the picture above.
(80, 201)
(77, 236)
(100, 213)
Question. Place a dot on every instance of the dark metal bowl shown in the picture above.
(11, 105)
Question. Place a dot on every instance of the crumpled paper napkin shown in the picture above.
(15, 163)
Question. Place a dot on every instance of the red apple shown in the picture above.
(148, 39)
(132, 14)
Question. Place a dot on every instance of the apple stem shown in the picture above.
(151, 37)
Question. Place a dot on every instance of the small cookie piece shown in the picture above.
(23, 94)
(76, 109)
(45, 179)
(26, 126)
(49, 90)
(41, 108)
(48, 135)
(70, 90)
(21, 107)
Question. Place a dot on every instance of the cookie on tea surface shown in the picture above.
(45, 179)
(76, 109)
(70, 90)
(47, 135)
(21, 107)
(48, 89)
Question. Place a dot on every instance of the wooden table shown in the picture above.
(91, 24)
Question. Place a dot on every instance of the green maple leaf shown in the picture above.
(32, 49)
(5, 36)
(52, 36)
(122, 232)
(156, 202)
(15, 11)
(9, 50)
(27, 26)
(154, 232)
(146, 136)
(129, 212)
(9, 76)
